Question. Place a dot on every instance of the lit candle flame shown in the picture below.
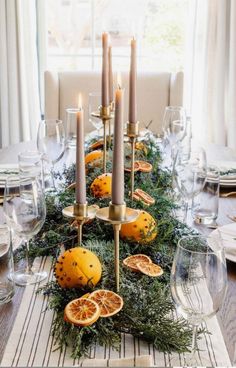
(80, 101)
(118, 79)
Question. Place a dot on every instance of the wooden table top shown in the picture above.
(227, 314)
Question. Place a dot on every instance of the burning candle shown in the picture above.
(80, 162)
(132, 84)
(110, 75)
(105, 71)
(118, 150)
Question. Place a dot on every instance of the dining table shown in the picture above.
(227, 207)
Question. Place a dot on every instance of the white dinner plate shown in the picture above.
(228, 235)
(228, 183)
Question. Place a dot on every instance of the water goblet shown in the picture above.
(94, 103)
(51, 142)
(189, 174)
(25, 211)
(174, 129)
(198, 284)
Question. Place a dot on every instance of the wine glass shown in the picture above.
(189, 174)
(198, 283)
(94, 103)
(51, 142)
(25, 211)
(174, 129)
(174, 123)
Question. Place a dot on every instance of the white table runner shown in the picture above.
(30, 342)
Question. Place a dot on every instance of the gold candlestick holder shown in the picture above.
(132, 133)
(105, 115)
(81, 213)
(112, 110)
(116, 215)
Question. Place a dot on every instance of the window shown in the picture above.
(74, 29)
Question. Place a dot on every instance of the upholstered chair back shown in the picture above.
(155, 91)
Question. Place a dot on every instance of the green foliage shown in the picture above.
(148, 308)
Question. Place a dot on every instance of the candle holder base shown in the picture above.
(80, 213)
(116, 215)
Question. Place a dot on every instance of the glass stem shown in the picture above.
(194, 343)
(185, 212)
(28, 266)
(52, 175)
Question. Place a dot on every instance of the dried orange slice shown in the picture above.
(71, 186)
(144, 166)
(131, 261)
(109, 302)
(136, 167)
(97, 145)
(145, 197)
(150, 269)
(82, 312)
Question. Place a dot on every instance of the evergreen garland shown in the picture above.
(148, 308)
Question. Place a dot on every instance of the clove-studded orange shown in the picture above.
(94, 158)
(142, 230)
(78, 267)
(101, 186)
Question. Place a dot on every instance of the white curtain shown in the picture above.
(211, 71)
(19, 92)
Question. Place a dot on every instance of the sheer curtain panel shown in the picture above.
(211, 71)
(19, 92)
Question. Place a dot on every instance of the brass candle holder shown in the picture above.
(105, 115)
(112, 110)
(116, 215)
(132, 133)
(81, 213)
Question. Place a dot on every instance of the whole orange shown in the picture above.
(77, 267)
(94, 158)
(142, 230)
(101, 186)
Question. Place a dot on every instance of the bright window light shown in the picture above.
(74, 29)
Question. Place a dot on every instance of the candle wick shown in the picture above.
(119, 86)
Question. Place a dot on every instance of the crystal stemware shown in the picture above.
(189, 174)
(198, 283)
(174, 129)
(25, 211)
(94, 103)
(51, 141)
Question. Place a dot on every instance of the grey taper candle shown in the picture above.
(105, 71)
(118, 151)
(132, 84)
(80, 160)
(110, 75)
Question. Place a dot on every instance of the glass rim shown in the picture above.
(195, 251)
(30, 153)
(73, 110)
(95, 94)
(50, 121)
(175, 108)
(17, 178)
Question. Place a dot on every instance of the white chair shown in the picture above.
(155, 91)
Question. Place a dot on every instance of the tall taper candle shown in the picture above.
(118, 151)
(110, 75)
(132, 84)
(105, 71)
(80, 161)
